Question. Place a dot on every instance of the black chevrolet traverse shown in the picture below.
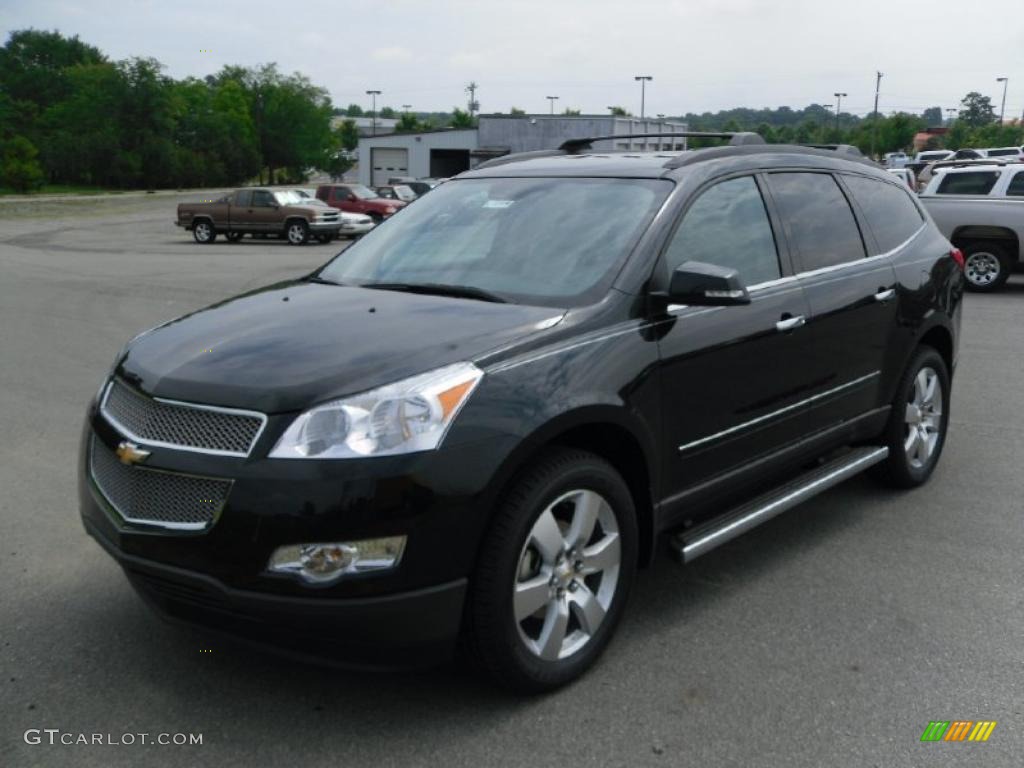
(477, 421)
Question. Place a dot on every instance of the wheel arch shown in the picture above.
(972, 233)
(940, 338)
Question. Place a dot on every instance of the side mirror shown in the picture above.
(708, 285)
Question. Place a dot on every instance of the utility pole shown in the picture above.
(552, 99)
(1002, 110)
(839, 107)
(951, 111)
(471, 90)
(643, 82)
(874, 121)
(373, 111)
(406, 107)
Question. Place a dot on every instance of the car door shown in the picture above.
(241, 211)
(730, 376)
(852, 295)
(263, 215)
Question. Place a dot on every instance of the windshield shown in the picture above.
(288, 197)
(554, 242)
(363, 193)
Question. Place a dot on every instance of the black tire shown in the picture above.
(987, 266)
(203, 232)
(296, 232)
(377, 219)
(901, 469)
(499, 642)
(233, 237)
(325, 238)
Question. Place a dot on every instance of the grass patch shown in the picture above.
(63, 189)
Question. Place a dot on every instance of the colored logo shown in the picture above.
(958, 730)
(129, 453)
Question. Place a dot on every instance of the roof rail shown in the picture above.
(516, 157)
(842, 149)
(573, 146)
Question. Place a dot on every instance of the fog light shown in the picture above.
(327, 562)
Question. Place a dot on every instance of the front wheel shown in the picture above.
(203, 232)
(554, 573)
(916, 432)
(297, 232)
(986, 267)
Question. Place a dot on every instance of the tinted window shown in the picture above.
(889, 211)
(728, 226)
(243, 198)
(260, 197)
(973, 183)
(821, 225)
(1016, 187)
(1002, 152)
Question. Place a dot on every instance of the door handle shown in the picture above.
(789, 323)
(885, 295)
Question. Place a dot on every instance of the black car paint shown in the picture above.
(627, 374)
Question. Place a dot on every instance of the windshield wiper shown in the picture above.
(440, 289)
(321, 280)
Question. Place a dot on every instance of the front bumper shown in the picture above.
(324, 227)
(357, 229)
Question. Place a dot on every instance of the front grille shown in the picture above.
(155, 497)
(181, 425)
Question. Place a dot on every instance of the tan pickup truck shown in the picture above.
(260, 212)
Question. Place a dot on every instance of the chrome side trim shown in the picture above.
(177, 446)
(780, 412)
(766, 507)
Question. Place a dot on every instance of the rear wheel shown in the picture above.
(916, 432)
(203, 232)
(297, 232)
(555, 572)
(986, 266)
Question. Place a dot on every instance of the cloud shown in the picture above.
(392, 53)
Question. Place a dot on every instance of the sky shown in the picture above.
(704, 55)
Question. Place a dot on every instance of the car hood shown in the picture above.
(287, 346)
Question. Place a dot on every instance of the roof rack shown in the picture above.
(573, 146)
(969, 162)
(842, 149)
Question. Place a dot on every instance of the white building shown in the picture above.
(447, 152)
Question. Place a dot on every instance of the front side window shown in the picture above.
(971, 183)
(1016, 188)
(262, 198)
(728, 226)
(547, 241)
(821, 225)
(889, 211)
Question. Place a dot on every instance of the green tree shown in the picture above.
(461, 119)
(407, 123)
(570, 111)
(618, 111)
(354, 110)
(517, 111)
(19, 168)
(767, 133)
(976, 110)
(387, 113)
(933, 117)
(348, 135)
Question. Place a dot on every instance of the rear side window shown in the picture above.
(972, 183)
(889, 211)
(1016, 187)
(728, 226)
(818, 217)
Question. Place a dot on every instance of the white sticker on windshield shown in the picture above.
(498, 203)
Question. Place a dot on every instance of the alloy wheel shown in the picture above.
(202, 231)
(923, 417)
(567, 575)
(982, 268)
(296, 234)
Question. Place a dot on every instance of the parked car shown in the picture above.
(355, 198)
(259, 212)
(479, 419)
(980, 208)
(1012, 153)
(419, 186)
(352, 224)
(401, 192)
(906, 175)
(895, 159)
(968, 154)
(932, 155)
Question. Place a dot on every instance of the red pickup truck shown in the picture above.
(355, 198)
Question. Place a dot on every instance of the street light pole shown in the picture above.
(951, 111)
(373, 111)
(552, 99)
(1002, 110)
(643, 82)
(874, 121)
(839, 107)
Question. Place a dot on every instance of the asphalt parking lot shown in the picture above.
(830, 636)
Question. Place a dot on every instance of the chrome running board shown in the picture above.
(691, 544)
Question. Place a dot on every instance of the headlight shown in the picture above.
(389, 210)
(405, 417)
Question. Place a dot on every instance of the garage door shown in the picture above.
(388, 163)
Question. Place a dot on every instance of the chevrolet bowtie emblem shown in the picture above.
(130, 453)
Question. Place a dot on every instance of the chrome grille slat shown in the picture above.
(187, 426)
(155, 497)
